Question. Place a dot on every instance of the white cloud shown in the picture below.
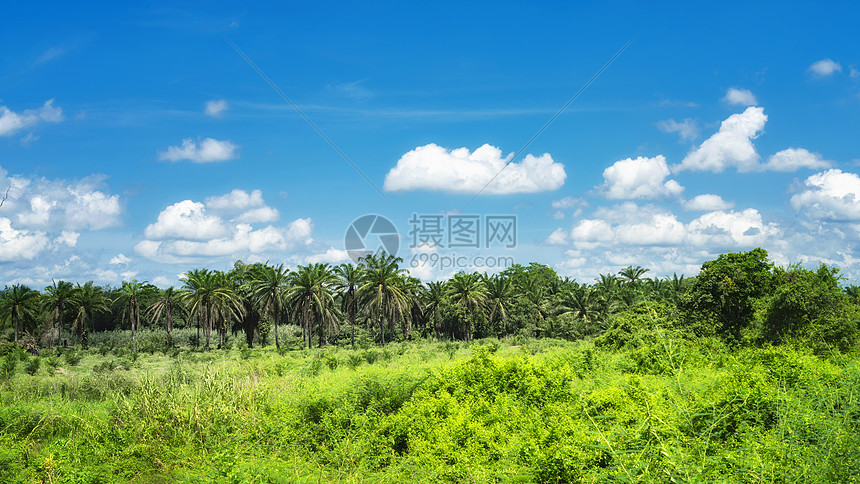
(120, 259)
(256, 215)
(162, 282)
(825, 67)
(68, 238)
(243, 206)
(433, 167)
(188, 229)
(687, 129)
(59, 204)
(707, 203)
(640, 178)
(743, 97)
(12, 122)
(19, 244)
(237, 200)
(830, 195)
(330, 256)
(557, 237)
(216, 108)
(629, 225)
(208, 151)
(186, 220)
(730, 146)
(730, 229)
(568, 203)
(793, 159)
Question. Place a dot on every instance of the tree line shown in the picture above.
(737, 296)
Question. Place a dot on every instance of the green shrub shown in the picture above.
(10, 361)
(32, 365)
(72, 358)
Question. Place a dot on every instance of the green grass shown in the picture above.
(535, 411)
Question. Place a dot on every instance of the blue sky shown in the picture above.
(136, 143)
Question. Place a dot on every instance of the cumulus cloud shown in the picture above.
(120, 259)
(825, 67)
(640, 178)
(730, 146)
(707, 203)
(209, 150)
(629, 225)
(236, 200)
(557, 237)
(330, 256)
(432, 167)
(186, 220)
(687, 129)
(243, 206)
(12, 122)
(793, 159)
(831, 195)
(55, 205)
(219, 227)
(568, 203)
(216, 108)
(730, 229)
(743, 97)
(18, 245)
(68, 238)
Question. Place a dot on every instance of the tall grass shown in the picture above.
(539, 411)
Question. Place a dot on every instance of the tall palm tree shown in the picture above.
(382, 290)
(349, 277)
(434, 297)
(469, 292)
(632, 276)
(584, 303)
(55, 298)
(19, 304)
(164, 305)
(129, 297)
(311, 296)
(268, 286)
(500, 293)
(87, 300)
(212, 297)
(227, 304)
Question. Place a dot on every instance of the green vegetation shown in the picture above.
(746, 373)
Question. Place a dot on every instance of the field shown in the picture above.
(509, 410)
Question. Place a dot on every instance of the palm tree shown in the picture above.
(87, 300)
(467, 291)
(197, 292)
(434, 297)
(853, 293)
(19, 304)
(226, 303)
(500, 293)
(129, 297)
(311, 296)
(164, 305)
(55, 299)
(382, 290)
(268, 285)
(349, 277)
(632, 276)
